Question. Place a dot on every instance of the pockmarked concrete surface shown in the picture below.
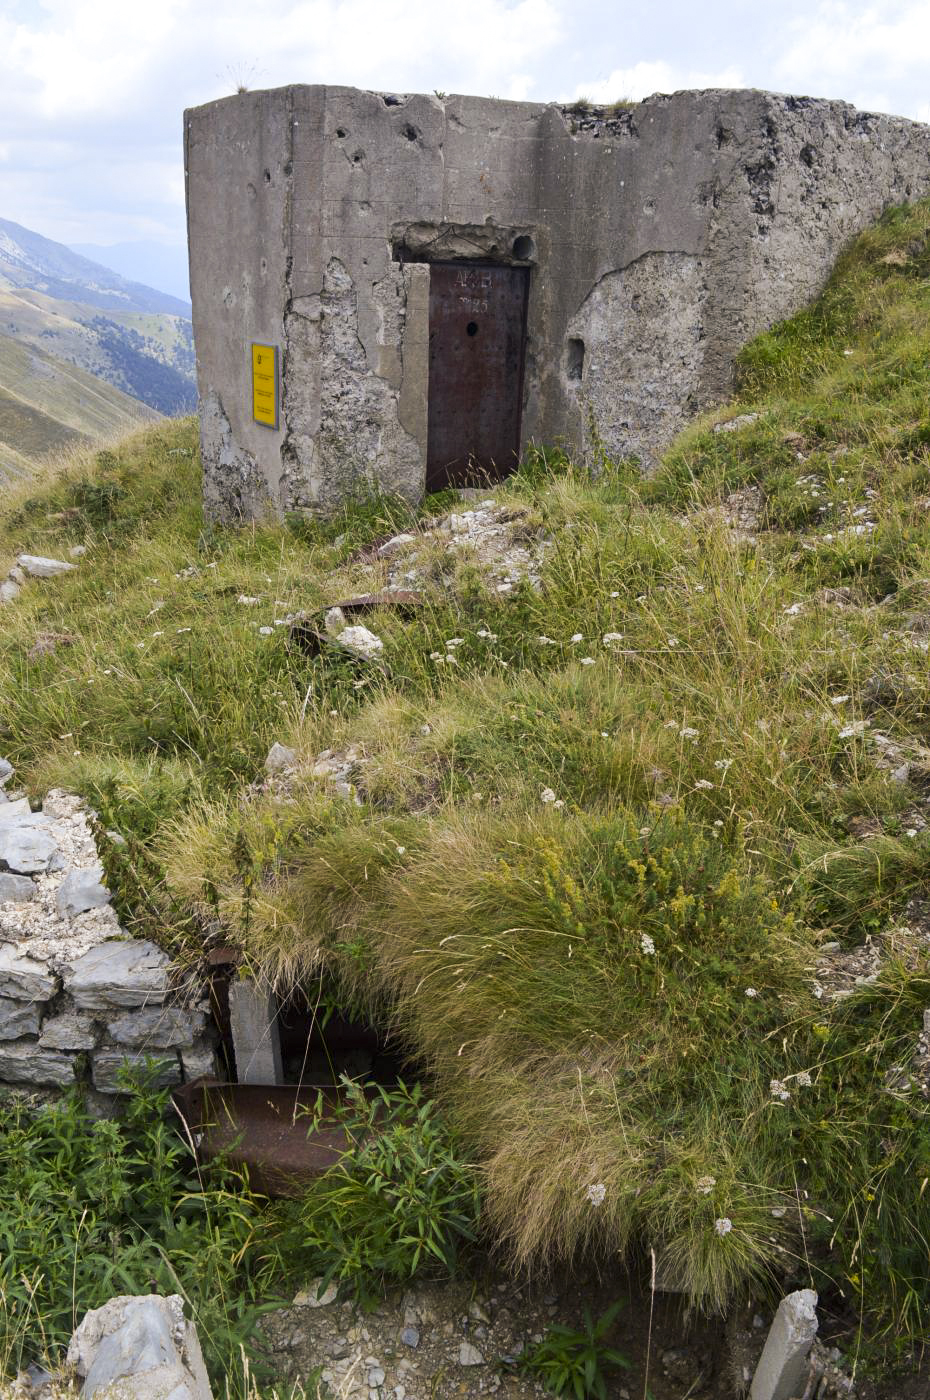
(659, 238)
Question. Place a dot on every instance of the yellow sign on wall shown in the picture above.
(265, 385)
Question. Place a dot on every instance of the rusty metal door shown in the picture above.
(477, 339)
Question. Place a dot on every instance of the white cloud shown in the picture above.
(643, 79)
(875, 56)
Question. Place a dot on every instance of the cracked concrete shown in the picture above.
(659, 238)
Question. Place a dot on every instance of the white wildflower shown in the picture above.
(723, 764)
(595, 1194)
(455, 641)
(751, 992)
(779, 1212)
(687, 733)
(547, 795)
(615, 593)
(817, 990)
(793, 610)
(545, 641)
(483, 632)
(647, 944)
(401, 850)
(558, 804)
(587, 661)
(723, 1226)
(247, 600)
(158, 634)
(852, 731)
(670, 724)
(578, 637)
(703, 784)
(611, 638)
(718, 822)
(604, 734)
(911, 831)
(265, 631)
(803, 1079)
(705, 1184)
(778, 1090)
(671, 641)
(839, 699)
(183, 629)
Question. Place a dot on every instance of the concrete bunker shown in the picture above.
(441, 282)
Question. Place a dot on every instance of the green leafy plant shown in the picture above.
(574, 1363)
(401, 1200)
(89, 1209)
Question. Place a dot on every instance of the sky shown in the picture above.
(92, 94)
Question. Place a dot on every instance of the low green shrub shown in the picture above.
(90, 1209)
(575, 1363)
(401, 1201)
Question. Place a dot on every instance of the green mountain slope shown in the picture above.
(47, 404)
(640, 861)
(135, 338)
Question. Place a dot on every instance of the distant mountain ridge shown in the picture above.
(154, 264)
(28, 259)
(136, 339)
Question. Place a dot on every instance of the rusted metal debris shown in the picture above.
(402, 600)
(266, 1129)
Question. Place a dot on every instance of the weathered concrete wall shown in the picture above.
(660, 239)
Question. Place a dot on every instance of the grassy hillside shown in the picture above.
(620, 837)
(46, 405)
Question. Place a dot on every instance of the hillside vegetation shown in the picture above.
(624, 841)
(46, 405)
(59, 304)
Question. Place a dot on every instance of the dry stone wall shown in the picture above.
(79, 999)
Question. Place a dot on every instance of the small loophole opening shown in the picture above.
(471, 328)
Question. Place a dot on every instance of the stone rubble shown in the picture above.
(78, 998)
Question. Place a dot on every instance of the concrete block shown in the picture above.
(139, 1349)
(782, 1370)
(253, 1016)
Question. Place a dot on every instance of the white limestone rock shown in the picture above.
(16, 889)
(81, 890)
(25, 850)
(38, 567)
(22, 1062)
(362, 642)
(141, 1348)
(108, 1068)
(280, 759)
(69, 1031)
(18, 1019)
(160, 1028)
(116, 975)
(25, 978)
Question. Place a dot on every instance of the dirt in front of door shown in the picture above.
(477, 343)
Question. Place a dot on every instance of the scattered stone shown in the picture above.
(77, 551)
(391, 546)
(38, 567)
(361, 641)
(9, 591)
(410, 1337)
(24, 977)
(16, 812)
(470, 1355)
(81, 890)
(109, 1067)
(21, 1062)
(162, 1028)
(16, 889)
(335, 620)
(6, 771)
(116, 974)
(18, 1019)
(280, 759)
(733, 425)
(146, 1344)
(307, 1297)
